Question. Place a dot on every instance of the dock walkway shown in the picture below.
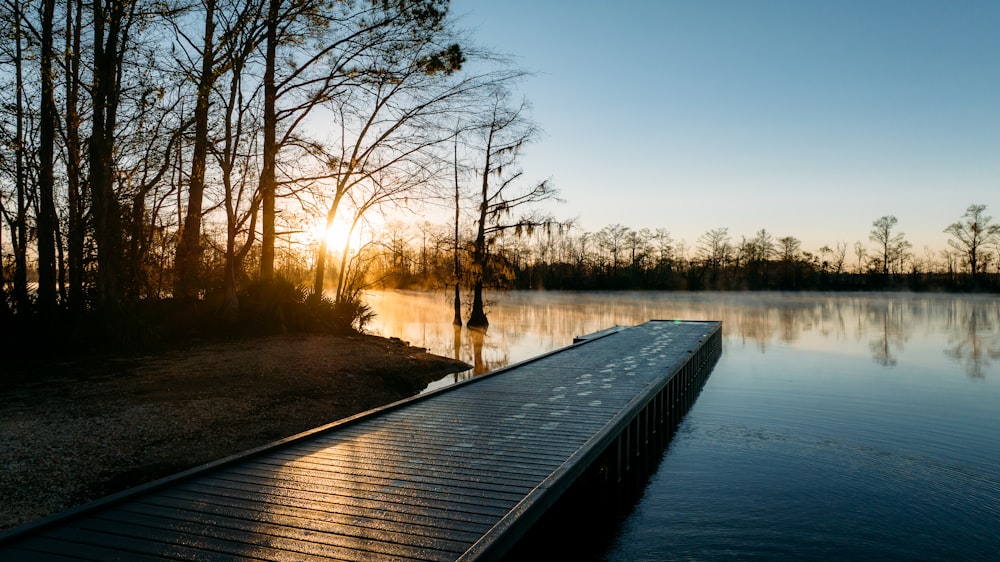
(459, 474)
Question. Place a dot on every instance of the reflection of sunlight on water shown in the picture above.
(892, 329)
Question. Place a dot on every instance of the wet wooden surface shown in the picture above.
(458, 474)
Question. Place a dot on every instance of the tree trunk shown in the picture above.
(321, 254)
(77, 223)
(231, 143)
(20, 232)
(478, 317)
(457, 320)
(106, 208)
(267, 175)
(46, 221)
(187, 272)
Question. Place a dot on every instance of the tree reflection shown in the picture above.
(478, 337)
(887, 319)
(528, 323)
(478, 349)
(973, 341)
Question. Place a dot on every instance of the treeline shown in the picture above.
(620, 258)
(197, 152)
(174, 167)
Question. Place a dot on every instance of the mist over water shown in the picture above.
(861, 426)
(888, 328)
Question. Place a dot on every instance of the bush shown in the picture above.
(282, 306)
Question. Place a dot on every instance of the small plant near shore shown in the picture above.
(282, 306)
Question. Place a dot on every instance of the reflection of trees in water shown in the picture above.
(476, 347)
(486, 357)
(973, 339)
(797, 318)
(831, 319)
(887, 319)
(525, 324)
(752, 325)
(554, 319)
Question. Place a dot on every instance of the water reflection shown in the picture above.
(890, 328)
(974, 340)
(888, 319)
(493, 358)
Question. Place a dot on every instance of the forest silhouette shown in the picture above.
(173, 170)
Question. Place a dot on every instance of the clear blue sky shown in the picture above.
(807, 118)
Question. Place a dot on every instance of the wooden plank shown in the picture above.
(388, 476)
(400, 489)
(459, 450)
(172, 546)
(251, 510)
(349, 495)
(398, 540)
(432, 476)
(265, 535)
(327, 474)
(402, 513)
(46, 548)
(513, 464)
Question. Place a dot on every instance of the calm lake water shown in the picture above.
(833, 427)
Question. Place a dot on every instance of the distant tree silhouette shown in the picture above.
(970, 237)
(789, 250)
(714, 251)
(761, 250)
(612, 239)
(892, 246)
(573, 260)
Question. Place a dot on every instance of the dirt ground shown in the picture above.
(74, 430)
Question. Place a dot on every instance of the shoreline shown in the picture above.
(73, 430)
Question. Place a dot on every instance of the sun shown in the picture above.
(336, 235)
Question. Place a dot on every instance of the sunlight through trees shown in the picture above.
(192, 152)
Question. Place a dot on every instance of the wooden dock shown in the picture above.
(458, 474)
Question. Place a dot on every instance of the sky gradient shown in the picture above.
(807, 118)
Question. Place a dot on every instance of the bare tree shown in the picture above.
(319, 52)
(506, 131)
(112, 22)
(715, 248)
(390, 119)
(790, 252)
(839, 255)
(664, 245)
(789, 248)
(638, 244)
(893, 246)
(861, 253)
(971, 235)
(187, 265)
(761, 250)
(612, 239)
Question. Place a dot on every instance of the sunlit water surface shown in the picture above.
(833, 427)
